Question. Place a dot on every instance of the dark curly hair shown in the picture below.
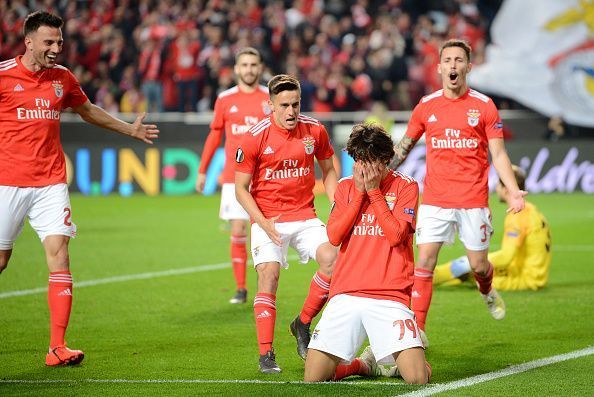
(370, 142)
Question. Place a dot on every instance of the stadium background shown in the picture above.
(150, 301)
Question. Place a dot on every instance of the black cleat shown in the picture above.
(301, 332)
(268, 363)
(239, 297)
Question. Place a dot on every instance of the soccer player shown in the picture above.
(34, 90)
(373, 221)
(525, 256)
(276, 157)
(236, 110)
(461, 127)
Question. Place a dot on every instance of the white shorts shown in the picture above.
(304, 236)
(48, 209)
(230, 207)
(439, 225)
(348, 320)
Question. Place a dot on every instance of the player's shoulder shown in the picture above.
(403, 178)
(228, 92)
(308, 120)
(472, 93)
(431, 97)
(262, 89)
(7, 66)
(346, 179)
(257, 129)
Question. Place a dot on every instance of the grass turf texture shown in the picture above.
(182, 328)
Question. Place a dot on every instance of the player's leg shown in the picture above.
(435, 226)
(231, 211)
(475, 230)
(50, 216)
(337, 337)
(412, 366)
(239, 258)
(14, 206)
(395, 338)
(320, 366)
(312, 242)
(265, 314)
(453, 272)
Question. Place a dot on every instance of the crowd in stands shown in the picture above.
(168, 55)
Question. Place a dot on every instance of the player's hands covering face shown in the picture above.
(372, 175)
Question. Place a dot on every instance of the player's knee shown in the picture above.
(419, 377)
(326, 257)
(4, 258)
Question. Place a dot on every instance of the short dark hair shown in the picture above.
(283, 82)
(457, 43)
(520, 177)
(370, 142)
(41, 18)
(248, 51)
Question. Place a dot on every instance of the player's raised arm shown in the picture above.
(95, 115)
(402, 149)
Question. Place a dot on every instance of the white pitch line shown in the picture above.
(119, 279)
(196, 269)
(514, 369)
(221, 381)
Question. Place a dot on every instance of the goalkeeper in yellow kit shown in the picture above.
(525, 256)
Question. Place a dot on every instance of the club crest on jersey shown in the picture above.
(309, 143)
(473, 117)
(58, 88)
(266, 108)
(390, 200)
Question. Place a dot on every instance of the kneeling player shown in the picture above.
(373, 221)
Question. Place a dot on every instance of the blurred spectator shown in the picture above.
(179, 52)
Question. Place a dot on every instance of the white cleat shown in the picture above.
(495, 304)
(369, 359)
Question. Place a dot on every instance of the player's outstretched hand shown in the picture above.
(144, 132)
(516, 201)
(200, 182)
(268, 226)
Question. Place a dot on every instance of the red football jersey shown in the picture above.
(367, 265)
(281, 163)
(235, 112)
(30, 106)
(456, 135)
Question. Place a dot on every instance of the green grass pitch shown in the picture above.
(181, 327)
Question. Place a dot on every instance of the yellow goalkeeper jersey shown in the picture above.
(525, 255)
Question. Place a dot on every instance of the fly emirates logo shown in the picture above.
(452, 140)
(248, 122)
(42, 111)
(290, 170)
(368, 227)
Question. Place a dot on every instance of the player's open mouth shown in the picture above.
(453, 77)
(52, 58)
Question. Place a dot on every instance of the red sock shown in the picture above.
(265, 313)
(356, 367)
(239, 259)
(59, 298)
(316, 298)
(484, 282)
(421, 295)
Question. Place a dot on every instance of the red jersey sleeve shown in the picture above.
(344, 213)
(214, 139)
(75, 95)
(395, 230)
(416, 124)
(493, 124)
(247, 154)
(218, 121)
(324, 150)
(407, 203)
